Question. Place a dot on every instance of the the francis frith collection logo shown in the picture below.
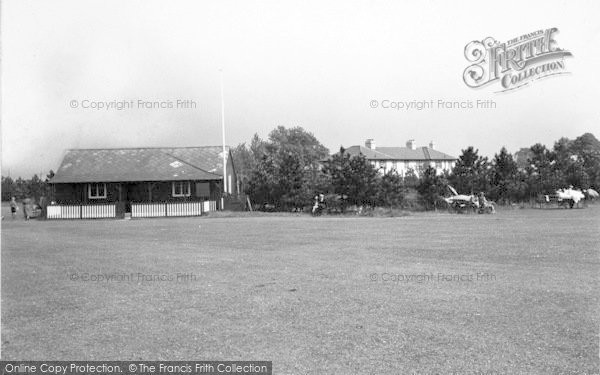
(515, 63)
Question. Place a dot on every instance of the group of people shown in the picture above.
(27, 208)
(483, 204)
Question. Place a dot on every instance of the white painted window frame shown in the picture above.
(96, 185)
(183, 192)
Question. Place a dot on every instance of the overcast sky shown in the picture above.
(314, 64)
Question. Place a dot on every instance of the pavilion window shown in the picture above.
(181, 189)
(97, 191)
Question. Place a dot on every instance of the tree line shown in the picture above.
(286, 171)
(540, 170)
(20, 188)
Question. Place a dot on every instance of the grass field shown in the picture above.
(314, 295)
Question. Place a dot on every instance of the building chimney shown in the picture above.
(432, 145)
(410, 144)
(370, 143)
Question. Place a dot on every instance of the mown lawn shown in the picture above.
(308, 293)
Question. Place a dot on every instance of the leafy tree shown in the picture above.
(353, 178)
(586, 169)
(363, 179)
(247, 157)
(471, 172)
(262, 183)
(298, 141)
(291, 186)
(285, 170)
(575, 173)
(507, 184)
(574, 163)
(307, 148)
(391, 190)
(20, 188)
(8, 188)
(244, 163)
(431, 187)
(540, 171)
(36, 187)
(410, 178)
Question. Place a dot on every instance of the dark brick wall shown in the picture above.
(135, 192)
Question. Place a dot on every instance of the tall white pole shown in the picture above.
(223, 140)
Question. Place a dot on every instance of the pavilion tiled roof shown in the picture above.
(141, 164)
(399, 153)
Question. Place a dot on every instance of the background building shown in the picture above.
(403, 159)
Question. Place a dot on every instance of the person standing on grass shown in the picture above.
(13, 207)
(27, 208)
(481, 202)
(316, 205)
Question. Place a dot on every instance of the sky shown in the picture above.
(315, 64)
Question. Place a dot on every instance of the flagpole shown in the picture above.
(223, 140)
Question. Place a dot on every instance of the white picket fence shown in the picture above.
(184, 209)
(98, 211)
(172, 209)
(209, 206)
(92, 211)
(138, 210)
(148, 210)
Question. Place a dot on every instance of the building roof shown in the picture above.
(399, 153)
(141, 164)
